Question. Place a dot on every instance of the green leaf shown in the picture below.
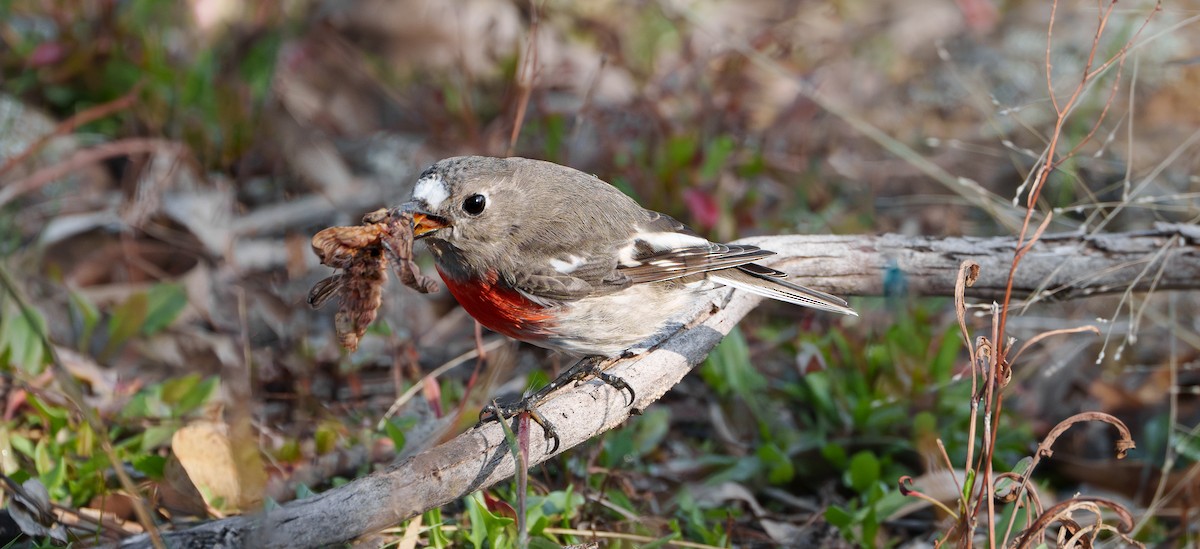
(661, 542)
(8, 460)
(947, 356)
(21, 335)
(174, 389)
(126, 322)
(779, 466)
(151, 465)
(870, 527)
(715, 155)
(395, 433)
(728, 369)
(157, 436)
(140, 406)
(437, 536)
(303, 491)
(864, 471)
(85, 440)
(839, 517)
(380, 327)
(510, 438)
(537, 521)
(487, 529)
(835, 454)
(681, 149)
(22, 444)
(326, 438)
(820, 391)
(58, 418)
(196, 396)
(618, 444)
(42, 460)
(86, 314)
(257, 67)
(891, 502)
(164, 302)
(55, 477)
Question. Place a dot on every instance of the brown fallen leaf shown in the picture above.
(228, 472)
(361, 253)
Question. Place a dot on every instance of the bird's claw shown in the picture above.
(618, 384)
(502, 412)
(582, 370)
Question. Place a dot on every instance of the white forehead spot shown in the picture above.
(432, 190)
(568, 265)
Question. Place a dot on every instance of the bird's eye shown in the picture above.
(474, 204)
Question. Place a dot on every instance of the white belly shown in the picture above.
(608, 325)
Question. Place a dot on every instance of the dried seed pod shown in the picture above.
(361, 254)
(399, 239)
(362, 294)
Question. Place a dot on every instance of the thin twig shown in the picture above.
(69, 125)
(526, 77)
(80, 159)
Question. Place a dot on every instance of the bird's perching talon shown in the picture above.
(619, 384)
(588, 367)
(499, 412)
(593, 366)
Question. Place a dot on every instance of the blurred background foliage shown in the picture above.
(199, 144)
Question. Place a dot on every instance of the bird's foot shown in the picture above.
(580, 371)
(501, 412)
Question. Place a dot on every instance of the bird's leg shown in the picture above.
(588, 367)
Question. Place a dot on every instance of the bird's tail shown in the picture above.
(768, 282)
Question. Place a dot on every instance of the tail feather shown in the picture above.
(768, 282)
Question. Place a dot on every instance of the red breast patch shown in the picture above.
(500, 308)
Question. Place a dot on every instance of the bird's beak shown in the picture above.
(424, 223)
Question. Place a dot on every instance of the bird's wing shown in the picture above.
(666, 249)
(570, 277)
(769, 282)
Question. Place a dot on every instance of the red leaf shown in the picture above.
(703, 207)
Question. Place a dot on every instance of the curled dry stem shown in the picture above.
(1061, 514)
(1123, 445)
(968, 273)
(1078, 540)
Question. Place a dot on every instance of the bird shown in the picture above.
(558, 258)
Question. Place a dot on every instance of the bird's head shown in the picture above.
(455, 199)
(466, 202)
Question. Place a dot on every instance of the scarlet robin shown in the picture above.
(555, 257)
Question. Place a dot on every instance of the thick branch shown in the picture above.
(1060, 266)
(845, 265)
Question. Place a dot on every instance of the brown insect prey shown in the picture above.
(361, 254)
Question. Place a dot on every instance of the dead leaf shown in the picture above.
(229, 473)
